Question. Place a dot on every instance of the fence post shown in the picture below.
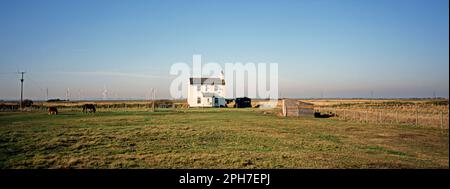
(417, 117)
(396, 117)
(367, 112)
(378, 117)
(381, 117)
(345, 115)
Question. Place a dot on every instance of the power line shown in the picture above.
(4, 73)
(35, 83)
(39, 86)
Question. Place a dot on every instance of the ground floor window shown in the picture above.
(199, 100)
(216, 101)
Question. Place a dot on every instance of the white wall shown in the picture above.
(193, 94)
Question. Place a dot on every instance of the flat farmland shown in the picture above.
(212, 138)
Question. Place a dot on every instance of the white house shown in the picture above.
(206, 92)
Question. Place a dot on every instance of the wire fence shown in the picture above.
(99, 107)
(437, 119)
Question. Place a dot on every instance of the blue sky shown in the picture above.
(338, 48)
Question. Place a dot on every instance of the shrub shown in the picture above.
(27, 103)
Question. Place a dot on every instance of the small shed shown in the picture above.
(296, 108)
(243, 102)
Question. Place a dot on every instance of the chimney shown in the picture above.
(222, 77)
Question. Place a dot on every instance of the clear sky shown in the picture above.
(329, 48)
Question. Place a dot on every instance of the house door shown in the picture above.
(216, 101)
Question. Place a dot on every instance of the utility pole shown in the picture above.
(21, 91)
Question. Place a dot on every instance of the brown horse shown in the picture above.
(52, 110)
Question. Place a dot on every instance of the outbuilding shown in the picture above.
(296, 108)
(243, 102)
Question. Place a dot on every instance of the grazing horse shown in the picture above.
(89, 108)
(52, 110)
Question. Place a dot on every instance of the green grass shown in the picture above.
(212, 138)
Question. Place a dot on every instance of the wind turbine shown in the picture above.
(105, 93)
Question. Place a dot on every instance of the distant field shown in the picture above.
(212, 138)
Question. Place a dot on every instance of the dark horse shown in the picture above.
(320, 115)
(52, 110)
(89, 108)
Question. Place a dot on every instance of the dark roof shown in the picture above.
(206, 80)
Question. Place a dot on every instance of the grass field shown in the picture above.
(212, 138)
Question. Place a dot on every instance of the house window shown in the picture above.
(216, 101)
(199, 87)
(199, 100)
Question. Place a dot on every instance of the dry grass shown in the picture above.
(212, 138)
(424, 112)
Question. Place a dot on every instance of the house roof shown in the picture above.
(206, 80)
(294, 102)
